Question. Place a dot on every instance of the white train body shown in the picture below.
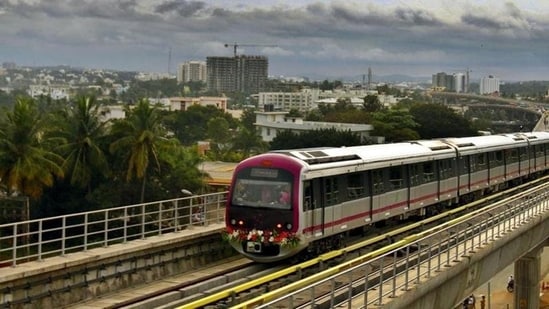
(335, 190)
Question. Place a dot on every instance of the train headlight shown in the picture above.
(279, 226)
(289, 226)
(240, 222)
(233, 221)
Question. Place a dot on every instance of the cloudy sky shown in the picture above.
(315, 38)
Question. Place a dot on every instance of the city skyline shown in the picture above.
(308, 38)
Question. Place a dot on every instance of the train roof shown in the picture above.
(397, 153)
(535, 137)
(475, 144)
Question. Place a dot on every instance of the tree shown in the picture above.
(436, 120)
(219, 134)
(141, 138)
(372, 103)
(248, 142)
(27, 162)
(82, 131)
(395, 125)
(315, 138)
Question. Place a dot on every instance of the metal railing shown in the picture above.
(410, 261)
(38, 239)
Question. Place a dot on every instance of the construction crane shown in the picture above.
(236, 45)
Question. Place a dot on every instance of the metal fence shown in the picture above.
(42, 238)
(385, 274)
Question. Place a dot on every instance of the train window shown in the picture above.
(395, 177)
(511, 155)
(428, 172)
(481, 161)
(261, 193)
(331, 191)
(355, 185)
(445, 169)
(307, 196)
(464, 164)
(539, 151)
(415, 171)
(496, 158)
(377, 181)
(523, 154)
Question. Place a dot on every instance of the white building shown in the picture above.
(183, 103)
(459, 82)
(284, 101)
(192, 71)
(56, 92)
(489, 85)
(270, 123)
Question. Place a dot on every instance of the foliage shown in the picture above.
(532, 89)
(248, 142)
(395, 125)
(27, 162)
(316, 138)
(166, 87)
(247, 119)
(191, 125)
(141, 139)
(436, 121)
(82, 132)
(372, 104)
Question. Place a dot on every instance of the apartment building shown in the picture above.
(192, 71)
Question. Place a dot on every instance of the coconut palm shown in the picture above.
(27, 163)
(82, 131)
(140, 139)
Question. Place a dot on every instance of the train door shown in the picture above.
(313, 207)
(330, 192)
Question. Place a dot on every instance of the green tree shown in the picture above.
(436, 120)
(27, 162)
(248, 142)
(395, 125)
(141, 138)
(82, 130)
(219, 134)
(372, 103)
(247, 119)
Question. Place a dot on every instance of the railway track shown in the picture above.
(237, 284)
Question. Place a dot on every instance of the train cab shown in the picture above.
(262, 213)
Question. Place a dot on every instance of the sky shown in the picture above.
(318, 39)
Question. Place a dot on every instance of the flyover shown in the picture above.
(437, 268)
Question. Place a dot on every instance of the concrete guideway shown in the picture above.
(496, 293)
(445, 279)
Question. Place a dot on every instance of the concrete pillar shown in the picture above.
(527, 277)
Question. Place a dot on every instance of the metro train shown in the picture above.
(282, 203)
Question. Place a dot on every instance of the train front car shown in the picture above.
(262, 214)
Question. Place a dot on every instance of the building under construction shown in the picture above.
(240, 73)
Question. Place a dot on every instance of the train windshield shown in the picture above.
(262, 187)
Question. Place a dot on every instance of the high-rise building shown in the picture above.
(192, 71)
(489, 85)
(457, 82)
(240, 73)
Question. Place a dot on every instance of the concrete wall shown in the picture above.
(449, 287)
(62, 281)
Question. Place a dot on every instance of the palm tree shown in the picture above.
(27, 164)
(82, 130)
(141, 138)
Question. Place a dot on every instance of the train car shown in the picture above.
(288, 202)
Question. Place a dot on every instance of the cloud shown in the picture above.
(431, 35)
